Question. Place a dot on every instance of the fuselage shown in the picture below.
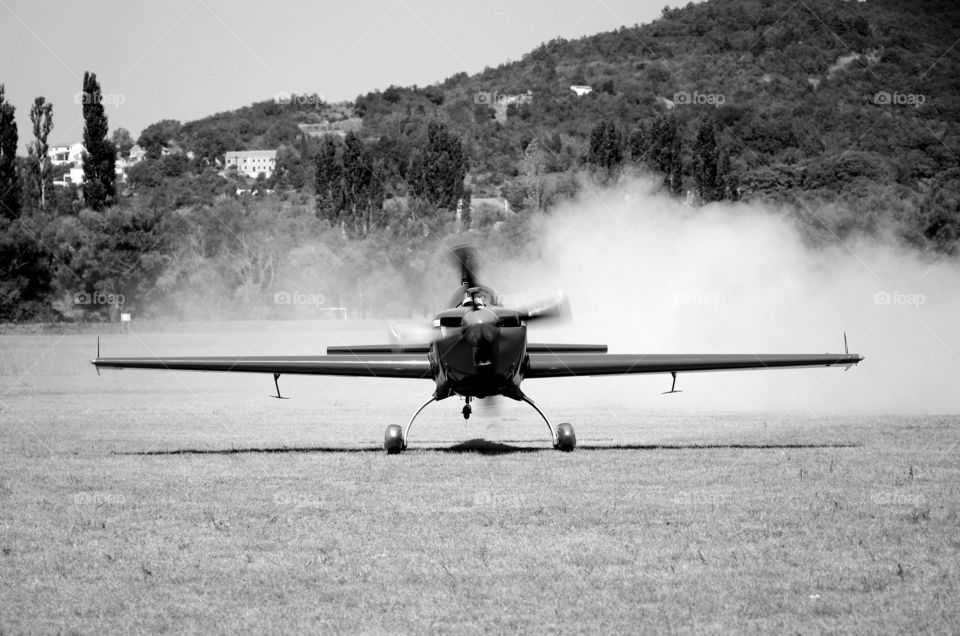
(479, 349)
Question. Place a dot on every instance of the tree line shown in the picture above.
(657, 145)
(27, 227)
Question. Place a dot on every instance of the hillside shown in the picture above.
(858, 101)
(847, 114)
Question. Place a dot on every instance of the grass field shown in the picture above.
(150, 501)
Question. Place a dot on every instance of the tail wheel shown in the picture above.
(566, 438)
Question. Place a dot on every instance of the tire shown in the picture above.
(566, 438)
(393, 439)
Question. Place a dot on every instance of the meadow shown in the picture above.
(151, 501)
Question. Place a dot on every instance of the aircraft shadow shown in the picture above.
(487, 447)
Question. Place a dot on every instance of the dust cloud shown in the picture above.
(646, 274)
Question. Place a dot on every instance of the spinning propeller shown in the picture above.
(470, 297)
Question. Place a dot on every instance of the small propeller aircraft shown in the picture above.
(478, 349)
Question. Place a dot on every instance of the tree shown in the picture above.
(938, 218)
(122, 141)
(100, 158)
(707, 168)
(362, 186)
(638, 145)
(328, 181)
(41, 116)
(9, 180)
(349, 187)
(606, 149)
(662, 152)
(24, 270)
(114, 257)
(155, 136)
(729, 179)
(146, 174)
(532, 169)
(436, 172)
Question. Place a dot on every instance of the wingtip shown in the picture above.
(855, 359)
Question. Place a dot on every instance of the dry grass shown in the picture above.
(190, 502)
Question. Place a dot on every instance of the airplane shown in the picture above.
(478, 349)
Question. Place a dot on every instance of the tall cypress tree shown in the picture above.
(436, 172)
(99, 162)
(328, 181)
(362, 187)
(664, 154)
(41, 116)
(706, 163)
(349, 188)
(9, 181)
(606, 149)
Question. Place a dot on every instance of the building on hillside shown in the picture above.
(62, 155)
(75, 176)
(123, 164)
(70, 158)
(251, 162)
(137, 154)
(581, 89)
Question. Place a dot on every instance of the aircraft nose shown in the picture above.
(480, 326)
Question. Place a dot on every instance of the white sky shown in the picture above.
(185, 59)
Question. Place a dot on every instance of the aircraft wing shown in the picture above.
(401, 365)
(553, 365)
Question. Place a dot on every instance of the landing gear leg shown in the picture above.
(563, 436)
(395, 438)
(467, 409)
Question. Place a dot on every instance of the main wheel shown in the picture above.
(566, 438)
(393, 439)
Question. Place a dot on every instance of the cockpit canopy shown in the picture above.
(479, 296)
(473, 299)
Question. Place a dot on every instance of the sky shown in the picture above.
(186, 59)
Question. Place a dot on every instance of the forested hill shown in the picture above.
(832, 99)
(807, 94)
(847, 114)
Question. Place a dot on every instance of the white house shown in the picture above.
(252, 162)
(75, 177)
(72, 155)
(60, 155)
(581, 89)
